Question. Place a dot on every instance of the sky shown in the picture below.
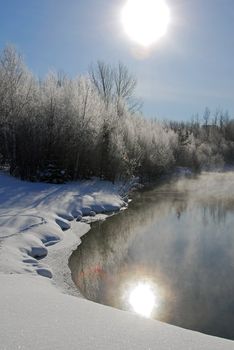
(190, 68)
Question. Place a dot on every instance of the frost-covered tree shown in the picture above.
(16, 94)
(116, 85)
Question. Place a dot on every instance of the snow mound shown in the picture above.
(63, 223)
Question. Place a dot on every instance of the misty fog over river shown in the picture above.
(177, 238)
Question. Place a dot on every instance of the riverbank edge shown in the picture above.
(41, 235)
(62, 251)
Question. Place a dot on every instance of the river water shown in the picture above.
(176, 240)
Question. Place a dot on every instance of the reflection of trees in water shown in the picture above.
(163, 234)
(218, 209)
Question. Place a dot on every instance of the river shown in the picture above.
(169, 256)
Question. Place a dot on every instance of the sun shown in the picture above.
(145, 21)
(143, 299)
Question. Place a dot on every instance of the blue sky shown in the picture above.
(190, 68)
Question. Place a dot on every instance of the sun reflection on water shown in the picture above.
(143, 298)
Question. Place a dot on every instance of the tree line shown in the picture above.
(57, 128)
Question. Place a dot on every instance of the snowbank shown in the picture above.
(38, 230)
(36, 216)
(34, 315)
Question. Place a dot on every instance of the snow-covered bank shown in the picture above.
(38, 226)
(34, 314)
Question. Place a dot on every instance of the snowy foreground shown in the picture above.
(37, 312)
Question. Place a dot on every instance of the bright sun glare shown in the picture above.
(145, 21)
(143, 299)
